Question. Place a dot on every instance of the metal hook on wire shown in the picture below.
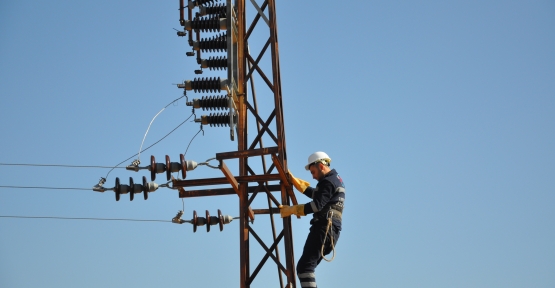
(207, 163)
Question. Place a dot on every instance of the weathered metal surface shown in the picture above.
(266, 211)
(230, 178)
(223, 180)
(251, 145)
(283, 176)
(246, 153)
(220, 191)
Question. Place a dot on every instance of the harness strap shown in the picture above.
(330, 216)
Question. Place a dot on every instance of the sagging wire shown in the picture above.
(144, 137)
(82, 218)
(185, 154)
(42, 187)
(116, 166)
(56, 165)
(137, 161)
(148, 146)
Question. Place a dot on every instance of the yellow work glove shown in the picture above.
(286, 210)
(299, 184)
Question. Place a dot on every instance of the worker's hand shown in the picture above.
(299, 184)
(286, 210)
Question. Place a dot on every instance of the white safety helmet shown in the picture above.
(318, 157)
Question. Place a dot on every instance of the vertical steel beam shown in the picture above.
(240, 76)
(279, 131)
(242, 143)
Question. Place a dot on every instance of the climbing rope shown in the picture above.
(330, 214)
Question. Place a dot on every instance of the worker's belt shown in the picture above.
(336, 214)
(324, 216)
(337, 208)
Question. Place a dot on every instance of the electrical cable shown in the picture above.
(144, 137)
(148, 146)
(42, 187)
(97, 166)
(193, 139)
(88, 218)
(57, 165)
(110, 167)
(82, 218)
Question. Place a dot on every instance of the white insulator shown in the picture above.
(191, 165)
(151, 186)
(227, 219)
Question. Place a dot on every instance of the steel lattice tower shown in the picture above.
(269, 178)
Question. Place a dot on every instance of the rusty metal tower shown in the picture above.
(230, 25)
(223, 27)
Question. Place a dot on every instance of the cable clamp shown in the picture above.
(98, 187)
(207, 163)
(167, 185)
(177, 219)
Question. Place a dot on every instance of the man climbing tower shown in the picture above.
(327, 207)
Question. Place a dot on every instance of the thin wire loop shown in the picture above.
(149, 146)
(144, 137)
(185, 154)
(206, 163)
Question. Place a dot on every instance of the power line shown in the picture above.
(194, 139)
(81, 218)
(97, 166)
(57, 165)
(144, 137)
(42, 187)
(150, 145)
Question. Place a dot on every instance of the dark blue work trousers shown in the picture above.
(312, 251)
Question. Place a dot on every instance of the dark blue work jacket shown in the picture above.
(328, 194)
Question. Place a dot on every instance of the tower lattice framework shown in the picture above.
(261, 150)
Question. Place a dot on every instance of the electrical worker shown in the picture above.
(327, 206)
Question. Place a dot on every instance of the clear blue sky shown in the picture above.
(438, 115)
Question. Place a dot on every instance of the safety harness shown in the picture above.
(337, 209)
(333, 211)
